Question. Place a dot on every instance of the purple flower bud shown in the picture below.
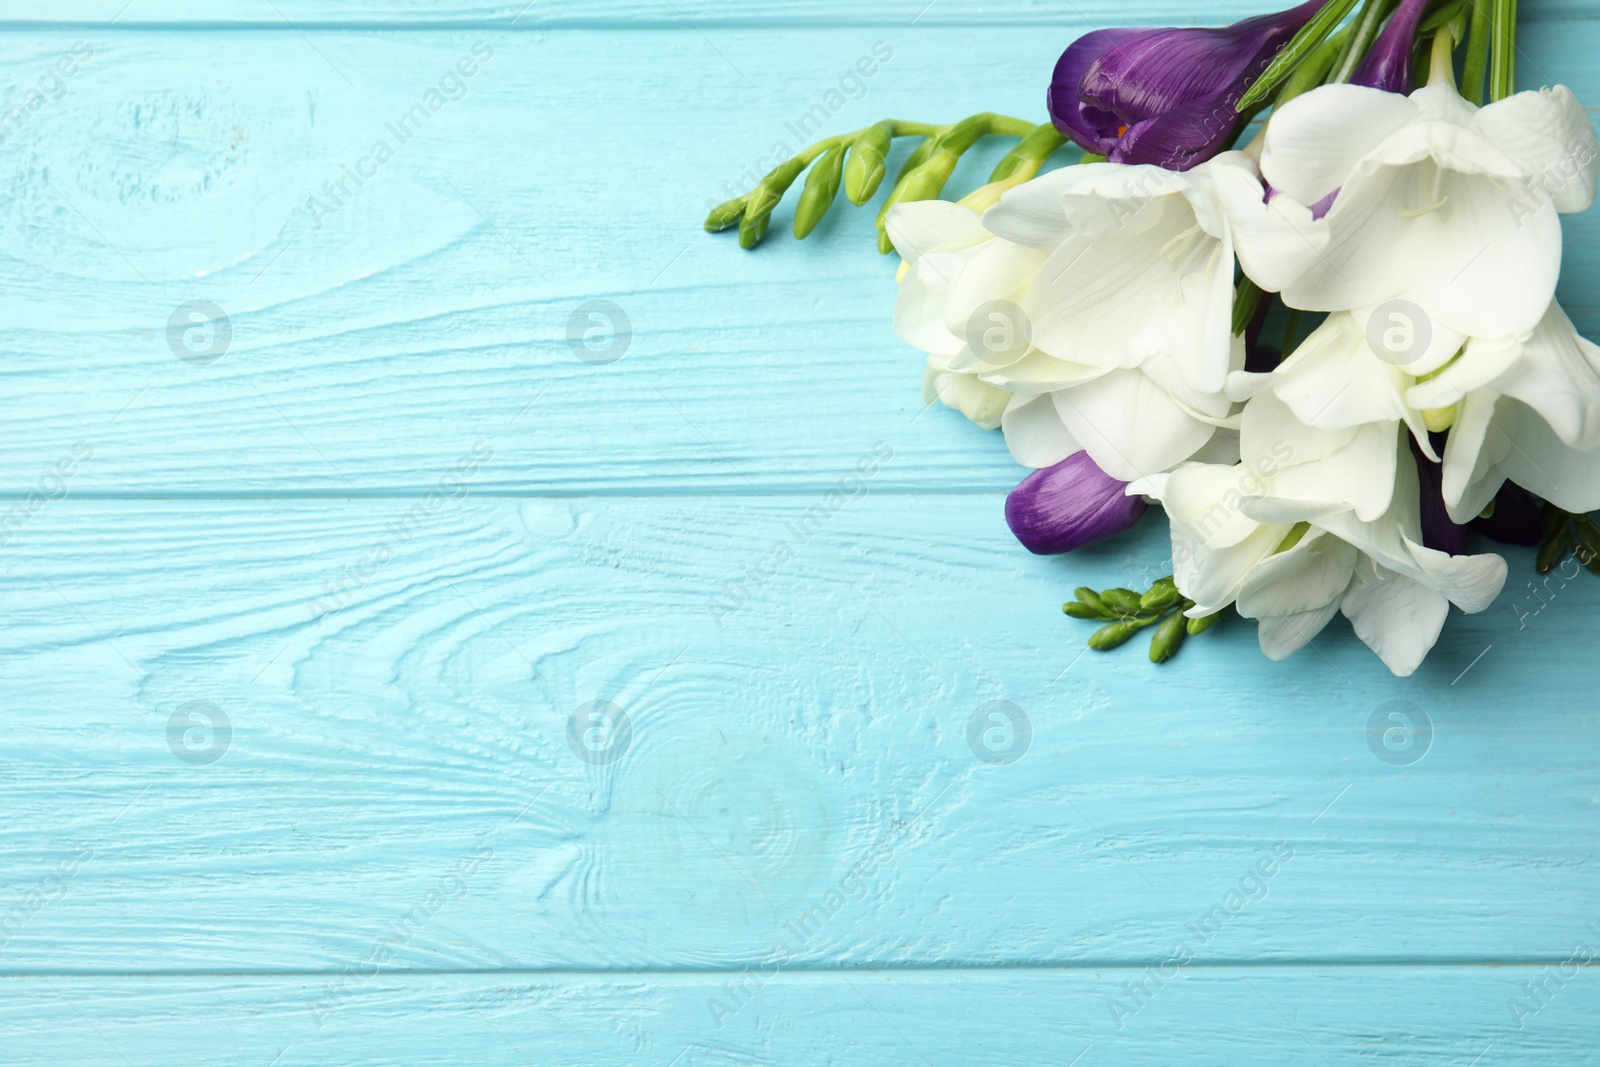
(1388, 65)
(1516, 519)
(1438, 531)
(1072, 504)
(1164, 96)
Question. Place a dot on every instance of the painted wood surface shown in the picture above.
(683, 14)
(299, 643)
(373, 342)
(1216, 1017)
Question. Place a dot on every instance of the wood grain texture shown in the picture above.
(378, 556)
(434, 306)
(681, 14)
(779, 749)
(1215, 1017)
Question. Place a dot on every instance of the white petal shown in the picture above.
(1129, 425)
(1469, 582)
(1315, 140)
(1482, 362)
(1212, 578)
(1307, 577)
(1493, 270)
(1397, 617)
(1550, 134)
(1035, 433)
(923, 226)
(1558, 375)
(1539, 461)
(1204, 500)
(1281, 636)
(1276, 241)
(1163, 288)
(983, 404)
(994, 271)
(1472, 455)
(919, 306)
(1037, 372)
(1334, 380)
(1034, 213)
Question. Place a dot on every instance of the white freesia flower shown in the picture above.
(1377, 197)
(1130, 316)
(953, 266)
(1525, 410)
(1293, 577)
(1329, 417)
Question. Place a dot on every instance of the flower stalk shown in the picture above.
(857, 162)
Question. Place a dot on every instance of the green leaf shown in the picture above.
(1302, 44)
(1246, 299)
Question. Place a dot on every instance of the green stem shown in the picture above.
(1362, 33)
(1311, 73)
(1441, 62)
(1502, 54)
(1479, 37)
(1290, 331)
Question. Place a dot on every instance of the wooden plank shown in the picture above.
(1220, 1017)
(398, 774)
(285, 14)
(435, 304)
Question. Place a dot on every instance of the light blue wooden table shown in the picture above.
(318, 536)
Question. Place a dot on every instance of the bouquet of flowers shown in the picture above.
(1365, 185)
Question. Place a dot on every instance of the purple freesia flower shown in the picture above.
(1438, 531)
(1516, 519)
(1164, 96)
(1069, 505)
(1388, 65)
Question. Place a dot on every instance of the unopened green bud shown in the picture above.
(1029, 154)
(726, 214)
(924, 183)
(1114, 634)
(869, 159)
(1079, 610)
(765, 196)
(1124, 600)
(1588, 538)
(1553, 551)
(752, 229)
(1162, 595)
(1092, 598)
(1168, 638)
(919, 155)
(822, 185)
(1204, 623)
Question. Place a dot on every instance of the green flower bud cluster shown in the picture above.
(858, 163)
(1566, 533)
(1126, 612)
